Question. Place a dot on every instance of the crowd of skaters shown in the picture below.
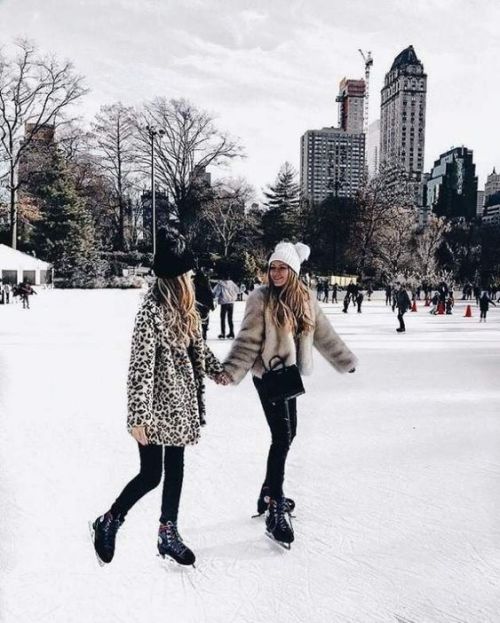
(12, 293)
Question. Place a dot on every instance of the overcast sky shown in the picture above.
(269, 70)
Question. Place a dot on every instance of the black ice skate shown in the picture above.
(278, 524)
(103, 533)
(170, 544)
(263, 503)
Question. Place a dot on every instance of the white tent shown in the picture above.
(16, 266)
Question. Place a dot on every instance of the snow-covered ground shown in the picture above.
(395, 471)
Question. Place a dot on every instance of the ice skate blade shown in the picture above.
(287, 546)
(171, 561)
(258, 515)
(92, 538)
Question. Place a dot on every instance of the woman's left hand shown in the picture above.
(222, 378)
(139, 434)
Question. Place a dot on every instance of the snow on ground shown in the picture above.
(395, 472)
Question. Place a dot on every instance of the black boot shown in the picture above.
(263, 502)
(103, 531)
(278, 523)
(170, 544)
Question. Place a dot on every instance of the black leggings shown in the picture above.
(154, 460)
(226, 309)
(283, 427)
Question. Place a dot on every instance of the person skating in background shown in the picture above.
(326, 291)
(25, 291)
(282, 318)
(388, 295)
(435, 303)
(226, 293)
(319, 289)
(369, 291)
(477, 294)
(449, 305)
(347, 300)
(359, 300)
(352, 290)
(165, 388)
(204, 299)
(335, 290)
(484, 305)
(403, 303)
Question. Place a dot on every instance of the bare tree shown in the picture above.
(188, 143)
(374, 214)
(394, 243)
(225, 214)
(427, 242)
(35, 90)
(114, 130)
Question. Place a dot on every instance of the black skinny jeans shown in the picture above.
(283, 428)
(226, 309)
(154, 460)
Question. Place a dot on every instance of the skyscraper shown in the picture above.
(351, 99)
(452, 186)
(492, 185)
(402, 116)
(332, 160)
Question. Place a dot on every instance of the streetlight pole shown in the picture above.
(153, 132)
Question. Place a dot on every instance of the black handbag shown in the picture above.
(280, 382)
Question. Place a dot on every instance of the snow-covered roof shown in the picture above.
(11, 259)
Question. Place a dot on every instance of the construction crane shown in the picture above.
(368, 64)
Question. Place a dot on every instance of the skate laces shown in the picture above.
(170, 533)
(110, 527)
(280, 512)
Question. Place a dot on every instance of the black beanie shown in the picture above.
(173, 256)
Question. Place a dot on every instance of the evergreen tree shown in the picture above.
(282, 220)
(64, 235)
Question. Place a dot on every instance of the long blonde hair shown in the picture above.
(289, 304)
(178, 298)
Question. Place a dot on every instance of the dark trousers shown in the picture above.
(154, 460)
(401, 320)
(283, 425)
(226, 309)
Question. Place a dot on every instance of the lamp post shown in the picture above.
(153, 132)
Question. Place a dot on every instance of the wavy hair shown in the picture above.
(289, 304)
(178, 298)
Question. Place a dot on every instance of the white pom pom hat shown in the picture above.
(291, 254)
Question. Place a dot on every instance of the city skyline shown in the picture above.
(271, 73)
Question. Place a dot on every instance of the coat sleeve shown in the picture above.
(330, 345)
(141, 370)
(213, 366)
(248, 343)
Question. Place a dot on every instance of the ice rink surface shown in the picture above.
(395, 472)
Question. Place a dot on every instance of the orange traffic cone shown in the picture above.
(414, 306)
(440, 309)
(468, 312)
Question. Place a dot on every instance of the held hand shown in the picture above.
(222, 379)
(139, 434)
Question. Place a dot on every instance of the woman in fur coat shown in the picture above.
(285, 319)
(169, 360)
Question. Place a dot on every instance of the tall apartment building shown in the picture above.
(332, 160)
(373, 148)
(480, 203)
(452, 186)
(351, 100)
(402, 116)
(332, 163)
(492, 185)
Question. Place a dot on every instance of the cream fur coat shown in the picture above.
(259, 340)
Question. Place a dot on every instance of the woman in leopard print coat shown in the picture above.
(168, 364)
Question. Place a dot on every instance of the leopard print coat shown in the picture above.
(166, 379)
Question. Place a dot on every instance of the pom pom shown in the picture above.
(303, 251)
